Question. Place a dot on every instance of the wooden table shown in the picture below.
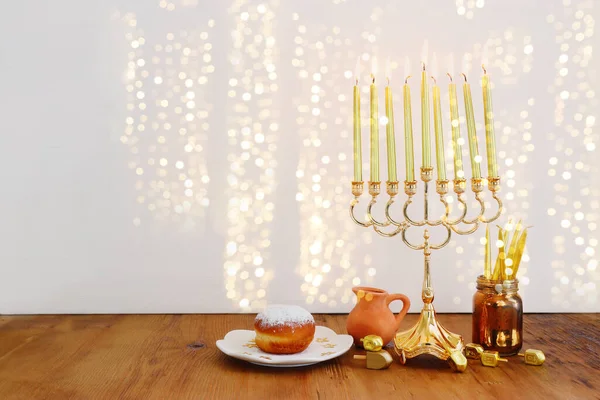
(175, 357)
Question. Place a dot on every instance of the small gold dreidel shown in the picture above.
(473, 351)
(491, 358)
(372, 343)
(533, 357)
(376, 359)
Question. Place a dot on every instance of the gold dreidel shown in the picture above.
(372, 343)
(473, 351)
(376, 359)
(533, 357)
(491, 358)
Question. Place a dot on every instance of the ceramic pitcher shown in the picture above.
(372, 315)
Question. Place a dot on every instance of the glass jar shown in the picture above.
(498, 316)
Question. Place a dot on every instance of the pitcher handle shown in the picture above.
(405, 306)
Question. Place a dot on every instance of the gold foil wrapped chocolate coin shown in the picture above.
(372, 343)
(473, 351)
(533, 357)
(491, 358)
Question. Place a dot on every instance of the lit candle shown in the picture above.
(374, 127)
(426, 154)
(455, 122)
(437, 125)
(490, 137)
(408, 132)
(471, 131)
(391, 141)
(357, 133)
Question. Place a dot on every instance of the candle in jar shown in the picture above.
(408, 132)
(490, 137)
(357, 131)
(471, 131)
(455, 123)
(374, 128)
(487, 264)
(391, 140)
(437, 125)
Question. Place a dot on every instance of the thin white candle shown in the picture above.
(357, 131)
(437, 123)
(374, 126)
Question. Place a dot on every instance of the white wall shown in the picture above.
(241, 197)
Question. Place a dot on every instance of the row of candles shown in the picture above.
(425, 128)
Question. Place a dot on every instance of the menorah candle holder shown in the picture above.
(428, 336)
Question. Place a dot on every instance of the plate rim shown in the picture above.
(345, 338)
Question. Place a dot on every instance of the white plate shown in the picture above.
(326, 345)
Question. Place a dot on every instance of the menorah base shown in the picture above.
(428, 336)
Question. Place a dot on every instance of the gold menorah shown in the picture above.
(428, 336)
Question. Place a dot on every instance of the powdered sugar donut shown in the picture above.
(282, 329)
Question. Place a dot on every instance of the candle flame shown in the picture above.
(406, 68)
(357, 70)
(484, 56)
(425, 52)
(434, 65)
(450, 65)
(388, 70)
(374, 67)
(465, 64)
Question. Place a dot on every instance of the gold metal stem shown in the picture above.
(357, 191)
(387, 213)
(427, 292)
(370, 215)
(365, 224)
(426, 202)
(494, 187)
(460, 219)
(428, 336)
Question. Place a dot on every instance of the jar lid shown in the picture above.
(497, 285)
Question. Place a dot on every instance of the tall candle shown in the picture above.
(471, 131)
(357, 133)
(490, 137)
(408, 132)
(437, 125)
(391, 140)
(455, 123)
(487, 264)
(374, 128)
(426, 139)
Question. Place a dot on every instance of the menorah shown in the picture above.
(428, 336)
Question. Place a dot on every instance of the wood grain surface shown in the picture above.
(175, 357)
